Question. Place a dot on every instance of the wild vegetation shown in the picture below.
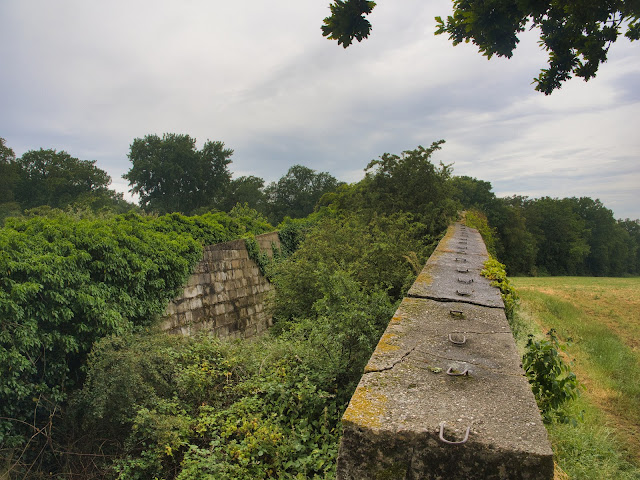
(114, 399)
(88, 387)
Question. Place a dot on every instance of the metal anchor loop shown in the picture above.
(465, 280)
(450, 442)
(463, 293)
(458, 342)
(456, 313)
(463, 270)
(461, 259)
(452, 373)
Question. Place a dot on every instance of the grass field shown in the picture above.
(598, 319)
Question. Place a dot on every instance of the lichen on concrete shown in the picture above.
(366, 408)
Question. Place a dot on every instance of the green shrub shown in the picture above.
(373, 253)
(552, 381)
(478, 220)
(202, 408)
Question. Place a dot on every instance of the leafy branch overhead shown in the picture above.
(347, 21)
(577, 35)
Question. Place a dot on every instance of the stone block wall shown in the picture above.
(226, 293)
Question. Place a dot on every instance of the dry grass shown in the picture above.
(600, 319)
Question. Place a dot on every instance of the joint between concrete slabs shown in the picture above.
(453, 300)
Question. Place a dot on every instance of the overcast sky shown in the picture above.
(89, 77)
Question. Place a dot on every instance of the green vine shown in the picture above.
(478, 220)
(262, 259)
(255, 254)
(495, 271)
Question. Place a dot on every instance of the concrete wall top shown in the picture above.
(443, 395)
(453, 271)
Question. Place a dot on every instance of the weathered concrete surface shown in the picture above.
(226, 293)
(392, 427)
(453, 271)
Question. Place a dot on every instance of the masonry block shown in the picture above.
(220, 296)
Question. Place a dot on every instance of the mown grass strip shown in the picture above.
(587, 315)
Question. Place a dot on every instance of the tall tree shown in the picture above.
(516, 246)
(608, 248)
(245, 189)
(561, 236)
(472, 193)
(171, 175)
(8, 173)
(632, 228)
(296, 194)
(410, 182)
(577, 34)
(56, 179)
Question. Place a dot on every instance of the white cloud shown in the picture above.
(89, 78)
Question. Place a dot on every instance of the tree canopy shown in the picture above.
(576, 34)
(171, 175)
(347, 21)
(245, 189)
(296, 194)
(56, 179)
(8, 172)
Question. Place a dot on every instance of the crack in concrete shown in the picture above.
(400, 360)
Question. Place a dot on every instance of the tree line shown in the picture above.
(169, 174)
(555, 236)
(543, 236)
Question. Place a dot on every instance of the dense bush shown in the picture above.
(192, 408)
(495, 271)
(65, 282)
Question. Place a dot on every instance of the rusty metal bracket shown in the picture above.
(457, 342)
(452, 373)
(450, 442)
